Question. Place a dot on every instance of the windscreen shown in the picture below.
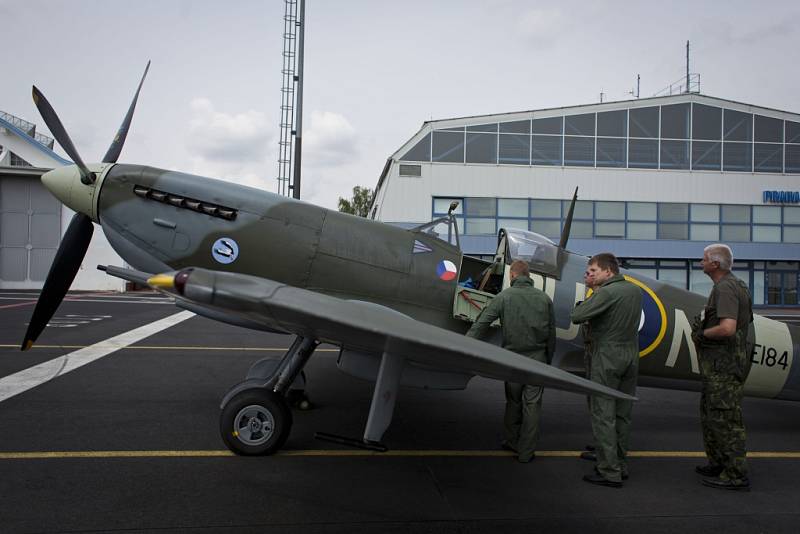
(540, 253)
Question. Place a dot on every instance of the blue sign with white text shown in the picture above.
(781, 197)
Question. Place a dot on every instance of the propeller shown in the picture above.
(76, 240)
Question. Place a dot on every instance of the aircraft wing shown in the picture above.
(363, 326)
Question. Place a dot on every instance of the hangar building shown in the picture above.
(659, 179)
(32, 220)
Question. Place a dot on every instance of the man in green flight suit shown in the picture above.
(720, 335)
(528, 326)
(613, 312)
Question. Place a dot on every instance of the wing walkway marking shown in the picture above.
(44, 455)
(26, 379)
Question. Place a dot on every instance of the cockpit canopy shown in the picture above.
(540, 253)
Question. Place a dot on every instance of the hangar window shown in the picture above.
(642, 211)
(442, 205)
(579, 124)
(637, 230)
(609, 229)
(791, 215)
(547, 228)
(768, 129)
(611, 152)
(768, 157)
(512, 207)
(516, 127)
(673, 231)
(612, 123)
(643, 153)
(488, 128)
(521, 224)
(419, 152)
(792, 132)
(581, 230)
(547, 149)
(705, 213)
(675, 121)
(410, 170)
(550, 125)
(767, 234)
(448, 146)
(643, 122)
(737, 156)
(584, 209)
(738, 126)
(481, 148)
(546, 208)
(706, 155)
(481, 207)
(706, 122)
(735, 214)
(579, 151)
(705, 232)
(673, 212)
(480, 227)
(515, 149)
(674, 154)
(17, 161)
(792, 160)
(791, 234)
(613, 211)
(767, 214)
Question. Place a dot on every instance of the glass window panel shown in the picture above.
(441, 205)
(583, 209)
(481, 148)
(706, 122)
(550, 125)
(705, 232)
(735, 232)
(609, 229)
(546, 228)
(644, 122)
(579, 124)
(579, 151)
(419, 152)
(673, 277)
(640, 263)
(643, 153)
(547, 149)
(673, 231)
(735, 214)
(649, 273)
(522, 224)
(515, 149)
(705, 213)
(766, 234)
(792, 132)
(481, 207)
(489, 128)
(738, 126)
(791, 234)
(546, 208)
(512, 207)
(448, 147)
(638, 230)
(792, 158)
(642, 211)
(614, 211)
(758, 288)
(611, 152)
(675, 121)
(767, 214)
(454, 129)
(673, 212)
(768, 157)
(674, 154)
(768, 129)
(700, 283)
(480, 226)
(791, 215)
(671, 263)
(581, 230)
(782, 265)
(613, 123)
(737, 157)
(706, 155)
(517, 127)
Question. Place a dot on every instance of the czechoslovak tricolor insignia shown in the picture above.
(446, 270)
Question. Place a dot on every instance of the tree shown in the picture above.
(359, 204)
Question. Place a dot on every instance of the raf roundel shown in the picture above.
(653, 323)
(446, 270)
(225, 250)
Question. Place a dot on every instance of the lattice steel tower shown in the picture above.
(291, 126)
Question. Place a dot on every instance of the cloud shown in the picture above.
(330, 140)
(543, 26)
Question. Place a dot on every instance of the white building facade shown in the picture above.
(659, 179)
(32, 220)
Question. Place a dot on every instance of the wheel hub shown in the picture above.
(254, 424)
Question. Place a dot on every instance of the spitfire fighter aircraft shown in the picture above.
(396, 301)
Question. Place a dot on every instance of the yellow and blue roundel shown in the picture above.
(653, 324)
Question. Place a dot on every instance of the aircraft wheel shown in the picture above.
(255, 422)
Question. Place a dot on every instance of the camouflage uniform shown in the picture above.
(613, 313)
(724, 364)
(528, 325)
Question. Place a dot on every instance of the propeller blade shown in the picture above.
(119, 140)
(62, 273)
(57, 129)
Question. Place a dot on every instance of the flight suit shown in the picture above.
(528, 326)
(613, 312)
(724, 364)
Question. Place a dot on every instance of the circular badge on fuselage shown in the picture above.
(653, 324)
(225, 250)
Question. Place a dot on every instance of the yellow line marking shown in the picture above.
(44, 455)
(167, 347)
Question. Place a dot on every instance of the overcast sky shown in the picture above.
(375, 70)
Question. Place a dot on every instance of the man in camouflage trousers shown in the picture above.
(613, 313)
(528, 325)
(720, 335)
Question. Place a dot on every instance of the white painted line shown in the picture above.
(22, 381)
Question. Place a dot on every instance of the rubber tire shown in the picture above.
(269, 400)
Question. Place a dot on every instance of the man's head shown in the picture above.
(519, 268)
(601, 267)
(717, 257)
